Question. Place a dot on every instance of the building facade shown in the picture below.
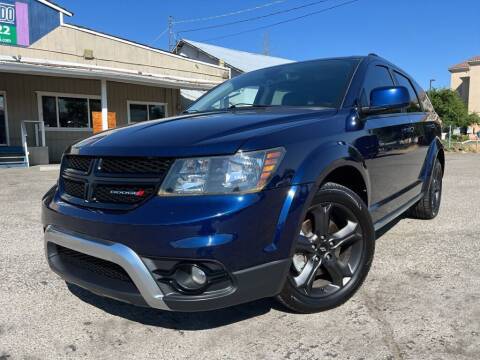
(465, 79)
(58, 81)
(238, 62)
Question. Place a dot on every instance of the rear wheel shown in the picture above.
(428, 207)
(333, 251)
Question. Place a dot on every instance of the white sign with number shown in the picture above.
(7, 14)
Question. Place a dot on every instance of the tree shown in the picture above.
(451, 108)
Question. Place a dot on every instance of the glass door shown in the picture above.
(3, 119)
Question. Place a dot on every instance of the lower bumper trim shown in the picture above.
(250, 284)
(114, 252)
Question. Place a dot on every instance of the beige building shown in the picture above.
(56, 77)
(465, 79)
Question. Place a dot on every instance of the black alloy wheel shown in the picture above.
(333, 251)
(436, 189)
(427, 208)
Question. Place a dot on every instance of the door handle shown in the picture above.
(408, 129)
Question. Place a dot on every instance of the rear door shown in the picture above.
(390, 142)
(421, 138)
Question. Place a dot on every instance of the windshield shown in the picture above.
(318, 83)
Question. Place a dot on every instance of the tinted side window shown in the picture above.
(377, 76)
(414, 103)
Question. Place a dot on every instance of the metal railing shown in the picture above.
(39, 128)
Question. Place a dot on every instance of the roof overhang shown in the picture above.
(56, 7)
(458, 69)
(182, 42)
(76, 70)
(474, 62)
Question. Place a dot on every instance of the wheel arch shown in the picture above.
(312, 173)
(441, 158)
(340, 163)
(350, 177)
(435, 152)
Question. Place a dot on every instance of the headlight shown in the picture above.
(243, 172)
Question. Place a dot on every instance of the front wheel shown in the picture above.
(333, 252)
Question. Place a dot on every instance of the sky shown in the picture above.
(423, 37)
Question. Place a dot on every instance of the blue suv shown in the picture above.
(272, 184)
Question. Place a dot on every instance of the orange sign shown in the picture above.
(112, 120)
(97, 121)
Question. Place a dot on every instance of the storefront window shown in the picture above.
(73, 112)
(3, 121)
(138, 112)
(69, 111)
(156, 112)
(95, 106)
(49, 108)
(144, 111)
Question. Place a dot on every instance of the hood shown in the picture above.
(196, 135)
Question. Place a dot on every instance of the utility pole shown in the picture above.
(431, 81)
(171, 39)
(266, 43)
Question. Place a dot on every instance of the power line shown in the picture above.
(282, 22)
(230, 13)
(160, 35)
(254, 18)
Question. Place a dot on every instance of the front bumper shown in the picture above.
(249, 237)
(142, 289)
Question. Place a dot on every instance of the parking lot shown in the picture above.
(420, 301)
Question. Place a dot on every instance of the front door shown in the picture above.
(387, 148)
(3, 119)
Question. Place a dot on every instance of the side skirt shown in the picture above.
(393, 215)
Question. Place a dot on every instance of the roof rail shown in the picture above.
(373, 54)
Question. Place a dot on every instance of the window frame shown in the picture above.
(57, 95)
(135, 102)
(7, 132)
(411, 82)
(369, 67)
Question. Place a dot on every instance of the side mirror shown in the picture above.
(387, 98)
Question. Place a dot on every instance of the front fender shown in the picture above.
(328, 157)
(312, 171)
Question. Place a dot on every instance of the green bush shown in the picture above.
(459, 147)
(460, 138)
(451, 108)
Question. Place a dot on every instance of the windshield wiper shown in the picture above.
(234, 106)
(195, 111)
(248, 106)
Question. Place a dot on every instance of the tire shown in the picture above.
(335, 200)
(427, 208)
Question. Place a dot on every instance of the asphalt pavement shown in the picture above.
(421, 299)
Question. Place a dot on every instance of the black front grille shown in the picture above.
(112, 182)
(79, 163)
(98, 266)
(139, 166)
(124, 194)
(74, 188)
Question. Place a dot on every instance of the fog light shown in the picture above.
(190, 277)
(198, 276)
